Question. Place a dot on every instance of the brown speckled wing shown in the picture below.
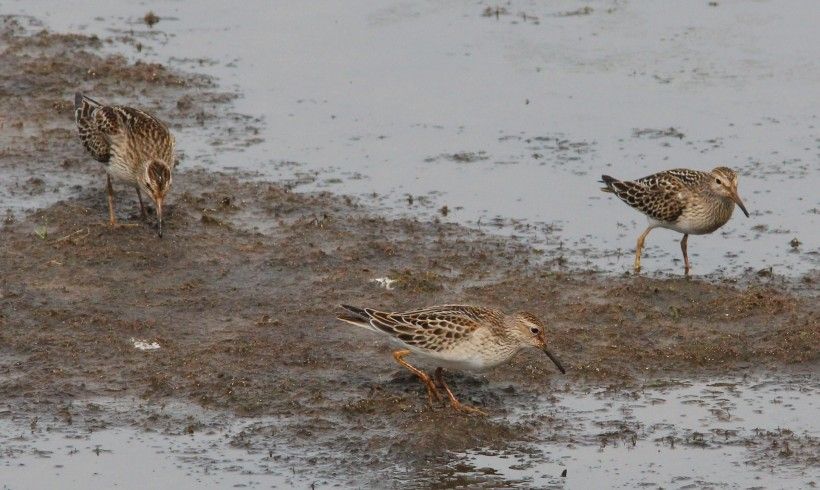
(657, 196)
(95, 124)
(101, 126)
(436, 328)
(674, 178)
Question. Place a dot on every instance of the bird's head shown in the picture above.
(530, 331)
(724, 183)
(156, 182)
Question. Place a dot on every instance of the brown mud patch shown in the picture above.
(240, 294)
(245, 320)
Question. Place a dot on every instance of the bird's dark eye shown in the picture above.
(717, 181)
(534, 330)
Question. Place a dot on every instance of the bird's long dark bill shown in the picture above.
(555, 360)
(159, 218)
(737, 200)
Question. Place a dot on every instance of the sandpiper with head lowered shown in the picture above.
(691, 202)
(454, 336)
(136, 147)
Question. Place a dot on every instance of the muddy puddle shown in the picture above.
(753, 430)
(211, 358)
(746, 431)
(513, 117)
(46, 453)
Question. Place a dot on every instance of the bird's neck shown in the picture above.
(721, 209)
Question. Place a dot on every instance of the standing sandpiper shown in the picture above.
(691, 202)
(136, 147)
(455, 336)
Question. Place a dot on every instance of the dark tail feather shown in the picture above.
(83, 107)
(81, 102)
(358, 317)
(356, 310)
(358, 313)
(608, 181)
(79, 98)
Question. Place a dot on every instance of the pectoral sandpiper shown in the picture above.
(136, 147)
(454, 336)
(691, 202)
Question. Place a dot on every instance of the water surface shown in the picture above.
(512, 119)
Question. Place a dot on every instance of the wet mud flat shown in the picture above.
(223, 331)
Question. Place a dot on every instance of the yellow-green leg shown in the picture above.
(639, 248)
(432, 392)
(457, 405)
(112, 219)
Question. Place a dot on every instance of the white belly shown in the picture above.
(466, 356)
(694, 224)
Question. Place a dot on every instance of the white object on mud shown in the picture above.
(384, 282)
(144, 344)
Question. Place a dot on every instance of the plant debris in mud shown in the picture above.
(575, 13)
(658, 133)
(496, 12)
(150, 18)
(417, 282)
(462, 157)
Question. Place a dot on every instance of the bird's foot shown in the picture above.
(466, 409)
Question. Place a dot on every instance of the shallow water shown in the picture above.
(739, 431)
(377, 97)
(49, 454)
(732, 432)
(508, 119)
(122, 458)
